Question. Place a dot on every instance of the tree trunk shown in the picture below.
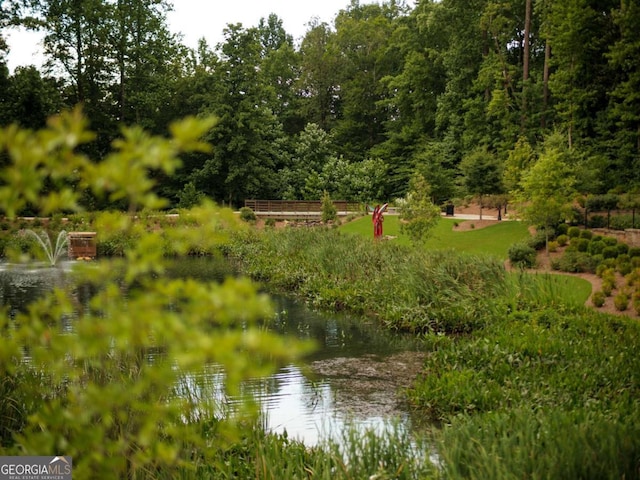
(80, 53)
(545, 84)
(525, 63)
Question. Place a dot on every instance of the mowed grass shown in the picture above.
(493, 240)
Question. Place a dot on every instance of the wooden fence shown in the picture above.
(298, 209)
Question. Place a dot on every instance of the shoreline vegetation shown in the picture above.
(523, 380)
(526, 381)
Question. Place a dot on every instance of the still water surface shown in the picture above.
(354, 376)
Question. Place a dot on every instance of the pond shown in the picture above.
(353, 377)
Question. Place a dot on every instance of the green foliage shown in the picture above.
(404, 288)
(575, 262)
(550, 443)
(247, 215)
(524, 363)
(595, 247)
(598, 298)
(621, 301)
(573, 232)
(522, 255)
(329, 212)
(547, 187)
(538, 240)
(581, 244)
(562, 229)
(417, 211)
(189, 196)
(562, 240)
(587, 234)
(119, 391)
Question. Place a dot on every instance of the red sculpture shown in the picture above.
(378, 219)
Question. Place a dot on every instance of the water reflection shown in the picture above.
(352, 378)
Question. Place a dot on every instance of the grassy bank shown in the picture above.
(404, 288)
(538, 386)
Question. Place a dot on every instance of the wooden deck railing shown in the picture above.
(294, 207)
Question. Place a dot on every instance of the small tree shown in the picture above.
(329, 212)
(482, 175)
(417, 211)
(546, 190)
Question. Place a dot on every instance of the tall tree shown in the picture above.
(362, 37)
(249, 138)
(624, 57)
(581, 31)
(317, 84)
(412, 93)
(280, 69)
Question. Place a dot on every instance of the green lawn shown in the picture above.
(494, 240)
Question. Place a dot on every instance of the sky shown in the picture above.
(207, 18)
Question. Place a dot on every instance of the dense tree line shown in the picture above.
(470, 94)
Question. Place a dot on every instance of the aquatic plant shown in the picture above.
(53, 254)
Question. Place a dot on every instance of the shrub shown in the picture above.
(588, 234)
(573, 232)
(609, 274)
(600, 269)
(598, 298)
(597, 259)
(522, 255)
(634, 252)
(270, 222)
(625, 268)
(582, 244)
(553, 246)
(247, 215)
(562, 229)
(622, 258)
(595, 247)
(610, 252)
(607, 287)
(538, 240)
(633, 278)
(563, 239)
(609, 241)
(574, 262)
(621, 222)
(636, 302)
(329, 212)
(621, 301)
(597, 221)
(622, 248)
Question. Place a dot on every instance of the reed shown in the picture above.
(541, 444)
(405, 288)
